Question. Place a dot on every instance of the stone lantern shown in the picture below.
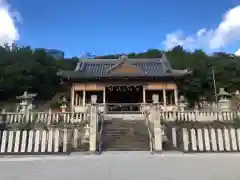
(237, 93)
(26, 102)
(182, 103)
(223, 100)
(26, 105)
(63, 104)
(236, 100)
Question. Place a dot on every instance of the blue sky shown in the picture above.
(108, 26)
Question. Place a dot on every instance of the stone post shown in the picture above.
(155, 115)
(176, 96)
(64, 104)
(63, 108)
(84, 97)
(93, 124)
(73, 98)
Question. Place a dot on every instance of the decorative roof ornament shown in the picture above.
(123, 57)
(166, 62)
(119, 62)
(188, 71)
(79, 66)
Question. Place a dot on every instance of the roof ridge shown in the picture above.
(114, 61)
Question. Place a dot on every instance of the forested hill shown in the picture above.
(22, 69)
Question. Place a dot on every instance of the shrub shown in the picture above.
(236, 121)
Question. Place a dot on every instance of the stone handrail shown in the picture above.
(199, 115)
(150, 130)
(100, 130)
(74, 117)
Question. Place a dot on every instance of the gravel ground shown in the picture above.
(123, 166)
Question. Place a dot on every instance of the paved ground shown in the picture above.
(123, 166)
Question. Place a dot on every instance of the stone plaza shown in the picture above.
(123, 166)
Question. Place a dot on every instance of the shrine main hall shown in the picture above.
(123, 84)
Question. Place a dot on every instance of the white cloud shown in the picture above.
(237, 53)
(8, 31)
(228, 31)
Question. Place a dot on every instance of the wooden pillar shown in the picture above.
(72, 97)
(176, 96)
(164, 98)
(104, 95)
(144, 94)
(79, 100)
(76, 97)
(84, 97)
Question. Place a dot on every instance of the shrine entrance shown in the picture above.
(125, 98)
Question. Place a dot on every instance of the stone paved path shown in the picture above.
(123, 166)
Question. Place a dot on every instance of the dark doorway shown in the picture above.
(124, 98)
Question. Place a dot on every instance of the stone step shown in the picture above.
(124, 128)
(128, 131)
(126, 149)
(121, 135)
(126, 138)
(128, 145)
(125, 124)
(127, 134)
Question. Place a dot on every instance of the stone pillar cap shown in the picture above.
(94, 99)
(222, 92)
(155, 98)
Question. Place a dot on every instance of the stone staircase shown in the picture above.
(125, 135)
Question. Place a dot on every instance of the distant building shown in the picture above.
(56, 54)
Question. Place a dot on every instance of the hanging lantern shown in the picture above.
(131, 88)
(110, 88)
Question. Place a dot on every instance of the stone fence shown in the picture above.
(205, 136)
(211, 140)
(43, 141)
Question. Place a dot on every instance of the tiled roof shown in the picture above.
(146, 67)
